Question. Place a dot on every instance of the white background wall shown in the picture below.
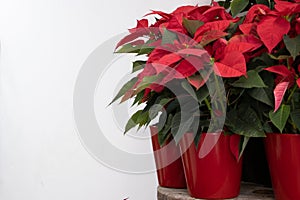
(43, 45)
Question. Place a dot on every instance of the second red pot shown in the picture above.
(282, 151)
(211, 170)
(168, 162)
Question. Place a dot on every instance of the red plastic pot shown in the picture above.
(211, 170)
(282, 152)
(168, 162)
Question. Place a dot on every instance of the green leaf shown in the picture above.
(295, 115)
(164, 133)
(147, 80)
(180, 125)
(145, 50)
(188, 105)
(265, 58)
(139, 49)
(143, 119)
(261, 95)
(154, 110)
(140, 118)
(133, 121)
(127, 86)
(152, 99)
(128, 48)
(197, 130)
(296, 100)
(238, 6)
(168, 37)
(138, 98)
(267, 127)
(172, 106)
(253, 81)
(244, 121)
(192, 25)
(162, 121)
(165, 101)
(157, 107)
(138, 65)
(244, 144)
(202, 94)
(292, 44)
(264, 95)
(189, 89)
(280, 117)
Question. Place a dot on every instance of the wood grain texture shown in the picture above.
(248, 192)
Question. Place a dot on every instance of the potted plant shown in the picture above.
(276, 24)
(281, 59)
(189, 53)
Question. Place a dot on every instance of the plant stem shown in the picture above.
(207, 104)
(291, 94)
(288, 64)
(219, 92)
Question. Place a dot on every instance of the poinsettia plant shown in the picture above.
(187, 51)
(194, 47)
(277, 26)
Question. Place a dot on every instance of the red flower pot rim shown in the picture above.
(209, 143)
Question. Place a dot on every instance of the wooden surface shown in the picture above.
(248, 192)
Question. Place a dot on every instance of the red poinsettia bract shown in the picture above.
(196, 40)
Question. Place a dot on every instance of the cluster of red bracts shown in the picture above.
(214, 43)
(270, 26)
